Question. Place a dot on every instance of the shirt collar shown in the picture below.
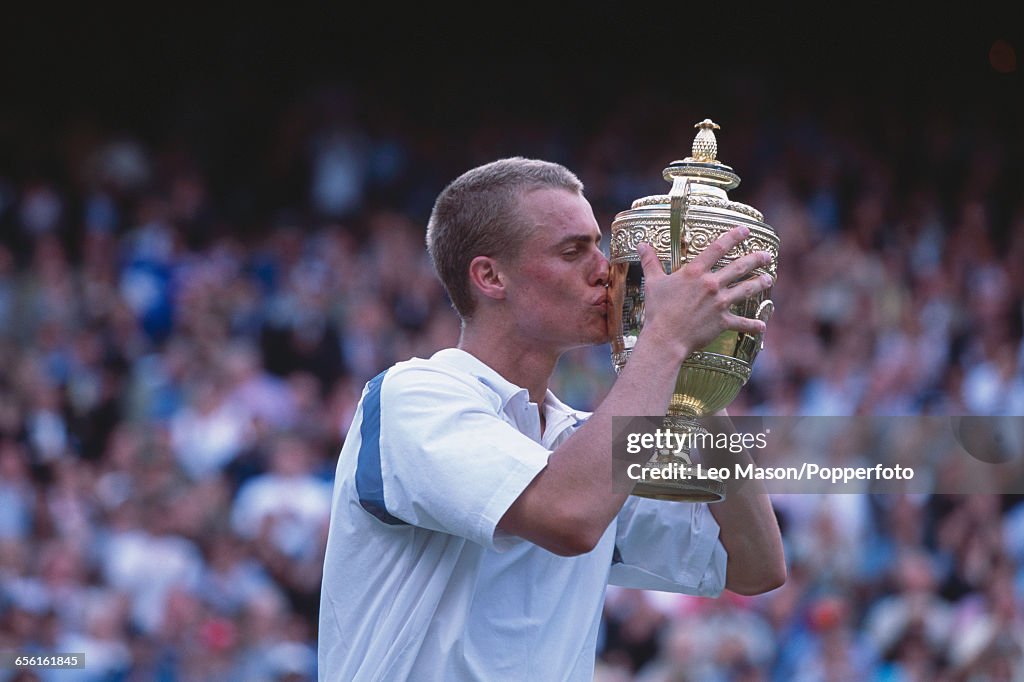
(504, 388)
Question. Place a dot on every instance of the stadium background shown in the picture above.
(212, 230)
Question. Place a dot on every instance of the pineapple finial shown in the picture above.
(705, 146)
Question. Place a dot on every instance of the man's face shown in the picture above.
(556, 287)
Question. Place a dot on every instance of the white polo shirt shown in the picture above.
(418, 582)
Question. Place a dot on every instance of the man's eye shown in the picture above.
(572, 253)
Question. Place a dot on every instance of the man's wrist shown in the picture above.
(668, 349)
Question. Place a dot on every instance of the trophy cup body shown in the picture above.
(680, 225)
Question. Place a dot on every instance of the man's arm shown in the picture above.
(749, 530)
(570, 503)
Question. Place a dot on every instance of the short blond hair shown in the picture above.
(479, 214)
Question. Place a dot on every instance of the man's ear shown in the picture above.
(486, 277)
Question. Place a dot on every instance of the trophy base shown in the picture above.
(672, 476)
(703, 490)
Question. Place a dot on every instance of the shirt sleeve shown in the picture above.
(668, 546)
(448, 461)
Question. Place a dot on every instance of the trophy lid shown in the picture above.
(703, 165)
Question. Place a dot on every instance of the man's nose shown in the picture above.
(602, 271)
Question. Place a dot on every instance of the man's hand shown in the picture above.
(688, 309)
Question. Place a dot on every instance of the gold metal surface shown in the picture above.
(680, 225)
(705, 146)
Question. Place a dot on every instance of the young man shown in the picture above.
(474, 526)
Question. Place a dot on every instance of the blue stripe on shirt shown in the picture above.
(369, 478)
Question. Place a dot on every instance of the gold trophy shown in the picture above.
(679, 226)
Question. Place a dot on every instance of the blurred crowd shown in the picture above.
(180, 369)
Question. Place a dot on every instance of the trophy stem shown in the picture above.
(676, 478)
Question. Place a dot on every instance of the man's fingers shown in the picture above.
(745, 324)
(749, 287)
(721, 246)
(649, 260)
(741, 267)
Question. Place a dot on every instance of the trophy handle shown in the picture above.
(764, 313)
(677, 222)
